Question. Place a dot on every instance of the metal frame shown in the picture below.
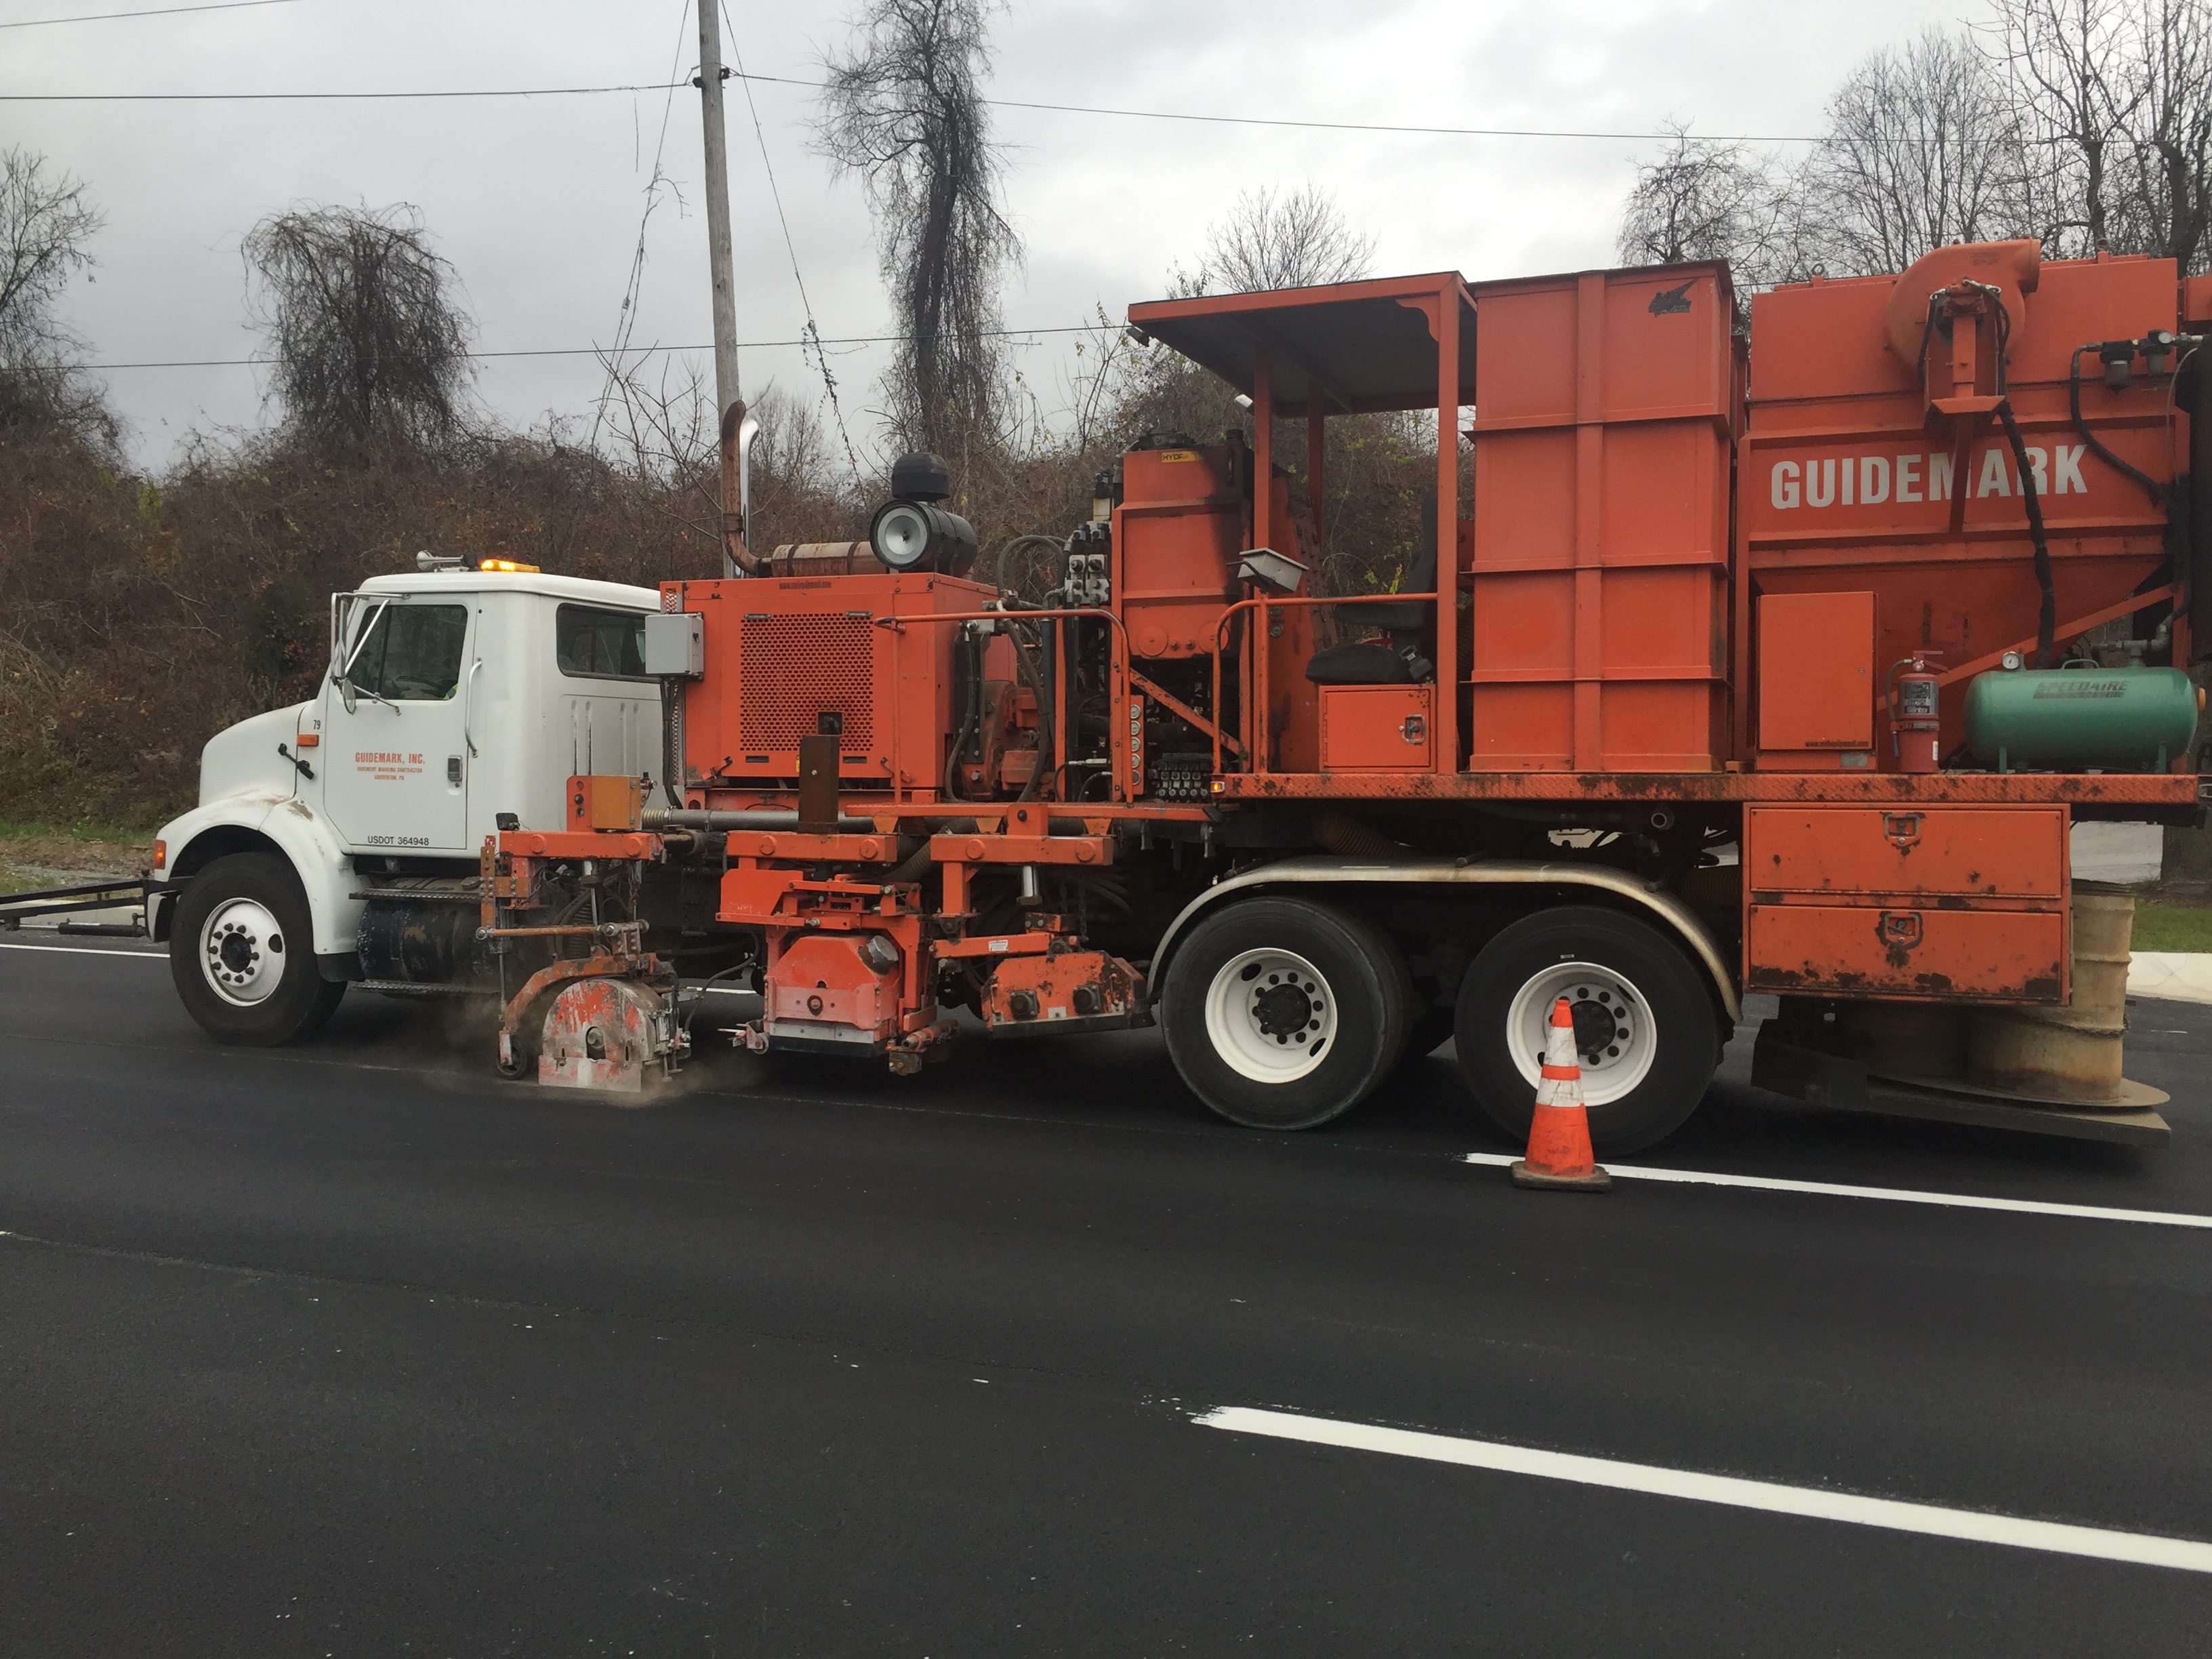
(1445, 303)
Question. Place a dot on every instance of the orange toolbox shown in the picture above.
(1954, 901)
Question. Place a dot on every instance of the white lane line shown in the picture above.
(91, 950)
(1974, 1526)
(1893, 1194)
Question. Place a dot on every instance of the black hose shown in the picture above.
(2159, 492)
(972, 653)
(2197, 602)
(1027, 663)
(2180, 513)
(2046, 620)
(699, 996)
(672, 740)
(914, 867)
(999, 561)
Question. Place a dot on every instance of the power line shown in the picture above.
(813, 332)
(627, 323)
(315, 97)
(1337, 126)
(996, 103)
(161, 11)
(804, 342)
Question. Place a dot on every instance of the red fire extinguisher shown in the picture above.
(1915, 733)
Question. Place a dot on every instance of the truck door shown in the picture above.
(397, 738)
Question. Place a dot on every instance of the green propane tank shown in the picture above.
(2134, 720)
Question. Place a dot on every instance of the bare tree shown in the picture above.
(1270, 240)
(1922, 148)
(45, 220)
(2115, 103)
(2064, 63)
(1707, 199)
(2163, 201)
(365, 324)
(903, 109)
(660, 433)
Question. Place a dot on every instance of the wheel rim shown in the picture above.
(242, 952)
(1615, 1036)
(1270, 1015)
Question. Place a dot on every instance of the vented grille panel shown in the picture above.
(796, 667)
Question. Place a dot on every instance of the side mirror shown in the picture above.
(341, 660)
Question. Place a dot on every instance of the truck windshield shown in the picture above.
(413, 653)
(593, 644)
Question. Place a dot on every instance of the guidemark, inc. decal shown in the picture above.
(387, 764)
(1872, 480)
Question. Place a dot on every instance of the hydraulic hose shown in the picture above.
(2199, 542)
(972, 717)
(2046, 619)
(2184, 540)
(998, 559)
(672, 740)
(1027, 661)
(2159, 492)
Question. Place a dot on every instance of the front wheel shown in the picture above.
(1282, 1013)
(1646, 1038)
(242, 953)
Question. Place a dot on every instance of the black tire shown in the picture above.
(1367, 993)
(1677, 1023)
(243, 918)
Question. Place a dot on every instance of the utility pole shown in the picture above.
(711, 76)
(729, 405)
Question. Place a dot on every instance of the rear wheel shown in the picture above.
(1645, 1035)
(242, 953)
(1282, 1013)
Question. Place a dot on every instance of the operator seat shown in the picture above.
(1405, 656)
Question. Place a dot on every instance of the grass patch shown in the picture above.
(100, 832)
(2172, 927)
(36, 856)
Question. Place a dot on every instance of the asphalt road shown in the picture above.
(353, 1349)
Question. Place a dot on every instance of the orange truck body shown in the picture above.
(1680, 545)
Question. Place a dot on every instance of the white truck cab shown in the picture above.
(452, 697)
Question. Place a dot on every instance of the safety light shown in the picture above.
(513, 566)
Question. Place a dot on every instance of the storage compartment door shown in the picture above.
(1376, 728)
(1863, 950)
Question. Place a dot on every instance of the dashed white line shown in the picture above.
(1894, 1515)
(1890, 1194)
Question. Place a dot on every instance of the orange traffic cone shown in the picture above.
(1558, 1136)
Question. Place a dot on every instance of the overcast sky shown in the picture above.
(536, 202)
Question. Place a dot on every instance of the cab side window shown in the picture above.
(413, 653)
(589, 643)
